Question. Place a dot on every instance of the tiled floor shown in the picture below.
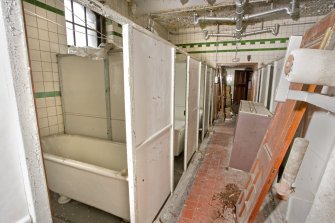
(202, 205)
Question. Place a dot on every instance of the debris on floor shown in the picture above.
(227, 199)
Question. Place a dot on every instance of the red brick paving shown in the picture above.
(212, 177)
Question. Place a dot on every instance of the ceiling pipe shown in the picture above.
(240, 17)
(287, 10)
(197, 19)
(274, 30)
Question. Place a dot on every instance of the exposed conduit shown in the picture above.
(274, 30)
(240, 17)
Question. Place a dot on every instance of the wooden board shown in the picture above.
(192, 108)
(280, 132)
(149, 107)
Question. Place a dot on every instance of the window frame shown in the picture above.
(99, 29)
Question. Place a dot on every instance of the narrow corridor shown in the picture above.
(215, 187)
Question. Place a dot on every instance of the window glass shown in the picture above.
(92, 38)
(69, 33)
(80, 36)
(79, 14)
(91, 19)
(68, 10)
(81, 25)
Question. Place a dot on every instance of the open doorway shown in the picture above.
(179, 116)
(242, 86)
(238, 84)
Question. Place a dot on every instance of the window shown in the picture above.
(83, 27)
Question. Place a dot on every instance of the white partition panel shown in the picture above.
(258, 84)
(277, 68)
(205, 121)
(268, 89)
(204, 68)
(83, 95)
(192, 107)
(263, 86)
(149, 103)
(180, 90)
(211, 116)
(118, 126)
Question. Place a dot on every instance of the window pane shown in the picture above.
(79, 14)
(91, 19)
(68, 10)
(92, 38)
(80, 36)
(69, 34)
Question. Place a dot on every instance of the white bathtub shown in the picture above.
(92, 171)
(179, 137)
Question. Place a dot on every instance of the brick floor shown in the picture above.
(212, 177)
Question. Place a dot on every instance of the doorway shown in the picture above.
(242, 87)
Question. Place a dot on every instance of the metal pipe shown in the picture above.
(207, 34)
(239, 17)
(197, 19)
(274, 30)
(240, 10)
(287, 10)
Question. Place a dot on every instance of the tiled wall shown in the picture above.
(263, 48)
(45, 40)
(46, 37)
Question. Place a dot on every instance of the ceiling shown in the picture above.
(155, 6)
(173, 15)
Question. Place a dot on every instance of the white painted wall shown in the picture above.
(23, 190)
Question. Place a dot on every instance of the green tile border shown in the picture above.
(45, 6)
(234, 42)
(47, 94)
(239, 50)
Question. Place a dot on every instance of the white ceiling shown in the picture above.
(154, 6)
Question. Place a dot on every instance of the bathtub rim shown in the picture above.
(83, 137)
(85, 166)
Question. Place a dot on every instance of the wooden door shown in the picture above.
(240, 86)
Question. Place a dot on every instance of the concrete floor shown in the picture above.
(76, 212)
(178, 168)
